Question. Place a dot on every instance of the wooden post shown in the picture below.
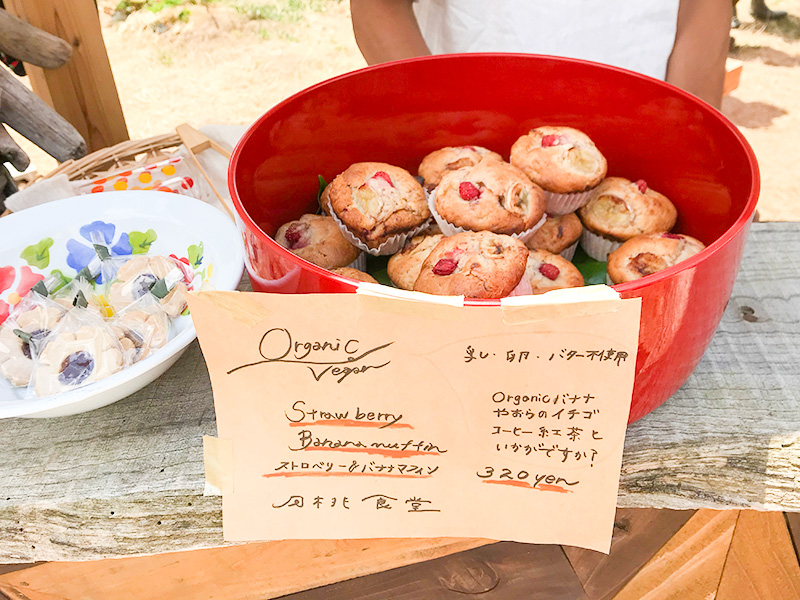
(83, 91)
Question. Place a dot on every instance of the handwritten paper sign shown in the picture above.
(355, 416)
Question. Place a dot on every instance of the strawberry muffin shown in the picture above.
(478, 264)
(564, 162)
(403, 268)
(547, 271)
(317, 239)
(356, 274)
(491, 196)
(618, 210)
(437, 163)
(647, 254)
(378, 206)
(559, 235)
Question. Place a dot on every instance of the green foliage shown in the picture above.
(593, 271)
(284, 11)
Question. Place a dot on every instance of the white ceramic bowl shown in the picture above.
(179, 223)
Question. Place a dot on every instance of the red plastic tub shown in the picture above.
(398, 112)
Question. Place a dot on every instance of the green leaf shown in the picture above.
(38, 255)
(141, 242)
(196, 255)
(593, 271)
(376, 266)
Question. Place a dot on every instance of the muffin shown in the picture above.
(558, 235)
(618, 210)
(403, 268)
(478, 264)
(437, 163)
(325, 200)
(647, 254)
(491, 196)
(378, 206)
(564, 162)
(317, 239)
(354, 274)
(547, 271)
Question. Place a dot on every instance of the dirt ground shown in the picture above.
(220, 66)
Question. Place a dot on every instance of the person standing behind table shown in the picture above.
(684, 42)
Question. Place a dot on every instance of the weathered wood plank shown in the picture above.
(761, 563)
(504, 571)
(729, 437)
(30, 44)
(82, 91)
(245, 572)
(690, 565)
(638, 534)
(27, 114)
(10, 150)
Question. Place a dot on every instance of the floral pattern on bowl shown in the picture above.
(17, 281)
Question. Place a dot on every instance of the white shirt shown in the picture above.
(633, 34)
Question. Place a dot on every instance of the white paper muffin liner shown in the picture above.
(524, 287)
(562, 204)
(597, 246)
(449, 229)
(391, 246)
(360, 263)
(569, 252)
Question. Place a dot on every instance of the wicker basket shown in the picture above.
(123, 156)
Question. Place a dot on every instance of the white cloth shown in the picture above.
(632, 34)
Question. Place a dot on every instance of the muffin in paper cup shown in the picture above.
(317, 239)
(620, 209)
(562, 204)
(596, 246)
(390, 246)
(448, 229)
(569, 253)
(378, 206)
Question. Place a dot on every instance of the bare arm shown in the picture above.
(697, 62)
(386, 30)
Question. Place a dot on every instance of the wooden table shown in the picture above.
(128, 479)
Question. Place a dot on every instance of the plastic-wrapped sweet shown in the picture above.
(140, 274)
(81, 349)
(23, 335)
(141, 328)
(82, 294)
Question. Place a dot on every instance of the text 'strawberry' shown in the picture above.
(549, 271)
(468, 191)
(383, 175)
(642, 185)
(445, 266)
(553, 139)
